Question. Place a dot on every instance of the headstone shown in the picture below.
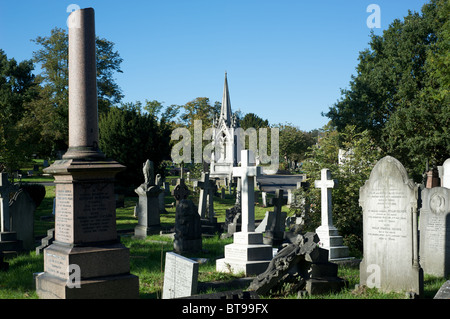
(222, 193)
(166, 188)
(180, 276)
(276, 222)
(389, 203)
(247, 253)
(444, 291)
(148, 209)
(328, 234)
(6, 188)
(161, 196)
(205, 202)
(188, 233)
(180, 191)
(22, 208)
(434, 225)
(264, 199)
(87, 253)
(445, 182)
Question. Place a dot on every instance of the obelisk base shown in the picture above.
(247, 254)
(100, 271)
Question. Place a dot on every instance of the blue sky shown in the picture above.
(286, 60)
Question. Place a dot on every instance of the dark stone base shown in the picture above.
(111, 287)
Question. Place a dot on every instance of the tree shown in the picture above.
(253, 120)
(362, 154)
(50, 109)
(400, 92)
(131, 136)
(17, 88)
(293, 142)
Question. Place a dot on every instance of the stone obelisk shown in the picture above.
(86, 260)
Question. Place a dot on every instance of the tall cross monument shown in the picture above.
(328, 234)
(247, 253)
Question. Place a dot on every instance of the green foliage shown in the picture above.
(130, 137)
(293, 142)
(361, 155)
(400, 92)
(17, 88)
(253, 120)
(50, 110)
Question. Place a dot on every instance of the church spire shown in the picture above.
(225, 112)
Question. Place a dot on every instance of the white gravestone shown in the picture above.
(389, 203)
(434, 225)
(180, 276)
(328, 234)
(247, 253)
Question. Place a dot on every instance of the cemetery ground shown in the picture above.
(147, 256)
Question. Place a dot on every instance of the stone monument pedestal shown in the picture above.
(333, 242)
(86, 260)
(246, 254)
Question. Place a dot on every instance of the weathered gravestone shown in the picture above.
(86, 260)
(180, 191)
(180, 276)
(274, 222)
(22, 208)
(247, 253)
(6, 188)
(434, 225)
(188, 233)
(8, 237)
(328, 234)
(147, 209)
(444, 291)
(206, 203)
(389, 203)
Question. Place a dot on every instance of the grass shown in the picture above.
(147, 257)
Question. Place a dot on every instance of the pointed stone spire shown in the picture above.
(225, 112)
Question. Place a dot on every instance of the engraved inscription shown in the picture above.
(180, 276)
(64, 213)
(95, 216)
(387, 216)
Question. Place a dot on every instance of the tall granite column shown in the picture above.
(86, 260)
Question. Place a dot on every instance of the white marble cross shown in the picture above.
(247, 173)
(326, 184)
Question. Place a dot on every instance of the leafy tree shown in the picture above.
(400, 92)
(253, 120)
(131, 136)
(293, 142)
(50, 109)
(361, 155)
(17, 88)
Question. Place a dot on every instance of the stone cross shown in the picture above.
(180, 191)
(206, 196)
(326, 184)
(247, 172)
(5, 189)
(278, 201)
